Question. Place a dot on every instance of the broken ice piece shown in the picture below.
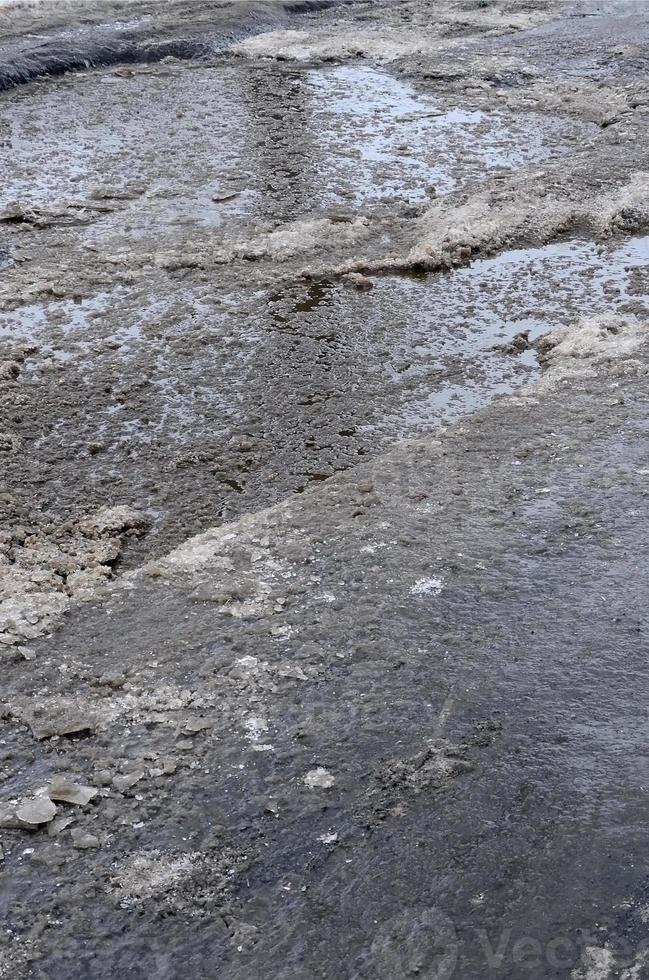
(329, 838)
(61, 722)
(35, 812)
(124, 783)
(195, 725)
(60, 822)
(319, 779)
(63, 789)
(292, 670)
(82, 839)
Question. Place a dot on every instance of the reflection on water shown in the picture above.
(263, 393)
(269, 144)
(379, 138)
(414, 352)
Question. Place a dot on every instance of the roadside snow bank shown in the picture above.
(302, 236)
(294, 239)
(596, 338)
(386, 42)
(386, 46)
(591, 346)
(587, 348)
(519, 212)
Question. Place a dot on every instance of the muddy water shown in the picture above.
(130, 151)
(197, 399)
(201, 405)
(398, 143)
(458, 669)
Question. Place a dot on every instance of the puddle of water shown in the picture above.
(326, 366)
(66, 330)
(308, 139)
(240, 400)
(142, 140)
(424, 349)
(379, 138)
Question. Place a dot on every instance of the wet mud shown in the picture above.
(198, 409)
(323, 442)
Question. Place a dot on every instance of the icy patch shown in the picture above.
(427, 586)
(319, 778)
(596, 964)
(149, 874)
(371, 549)
(330, 838)
(255, 728)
